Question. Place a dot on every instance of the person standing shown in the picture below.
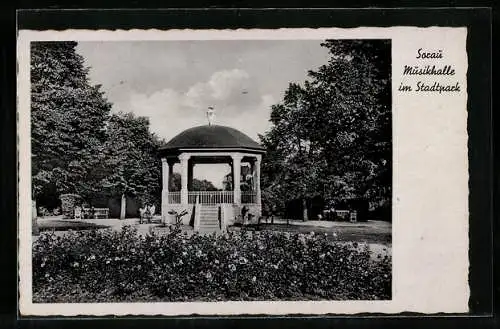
(273, 213)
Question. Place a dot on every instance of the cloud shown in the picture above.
(226, 90)
(225, 83)
(173, 82)
(222, 90)
(170, 111)
(253, 122)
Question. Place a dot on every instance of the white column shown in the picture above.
(257, 180)
(165, 171)
(184, 177)
(164, 189)
(252, 172)
(237, 176)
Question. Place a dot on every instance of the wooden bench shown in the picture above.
(99, 213)
(347, 215)
(342, 214)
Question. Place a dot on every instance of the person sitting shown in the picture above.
(142, 212)
(78, 212)
(147, 213)
(244, 214)
(57, 211)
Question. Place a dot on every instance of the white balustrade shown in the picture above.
(249, 197)
(174, 197)
(213, 197)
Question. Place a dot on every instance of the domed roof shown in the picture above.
(212, 136)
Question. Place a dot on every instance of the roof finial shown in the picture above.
(211, 115)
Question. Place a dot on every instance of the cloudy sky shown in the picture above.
(174, 82)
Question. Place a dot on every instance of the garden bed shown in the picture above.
(112, 266)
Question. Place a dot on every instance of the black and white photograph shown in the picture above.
(243, 172)
(211, 170)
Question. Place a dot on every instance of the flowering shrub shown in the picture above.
(107, 266)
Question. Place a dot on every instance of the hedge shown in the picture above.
(119, 266)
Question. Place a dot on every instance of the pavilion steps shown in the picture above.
(209, 218)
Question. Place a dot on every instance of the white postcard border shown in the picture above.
(429, 246)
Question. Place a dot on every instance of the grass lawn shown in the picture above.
(352, 233)
(370, 232)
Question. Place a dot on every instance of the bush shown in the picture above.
(68, 204)
(43, 212)
(107, 266)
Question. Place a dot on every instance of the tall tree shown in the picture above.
(133, 167)
(331, 136)
(68, 117)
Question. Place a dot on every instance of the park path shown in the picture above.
(114, 223)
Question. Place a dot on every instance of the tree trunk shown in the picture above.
(304, 209)
(123, 206)
(34, 224)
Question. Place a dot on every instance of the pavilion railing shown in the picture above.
(248, 197)
(211, 197)
(174, 197)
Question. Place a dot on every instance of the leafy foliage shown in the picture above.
(68, 117)
(105, 266)
(331, 136)
(198, 184)
(77, 145)
(130, 156)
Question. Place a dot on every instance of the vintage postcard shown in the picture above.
(234, 172)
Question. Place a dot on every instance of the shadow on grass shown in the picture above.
(65, 225)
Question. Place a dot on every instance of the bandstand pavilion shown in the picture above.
(212, 144)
